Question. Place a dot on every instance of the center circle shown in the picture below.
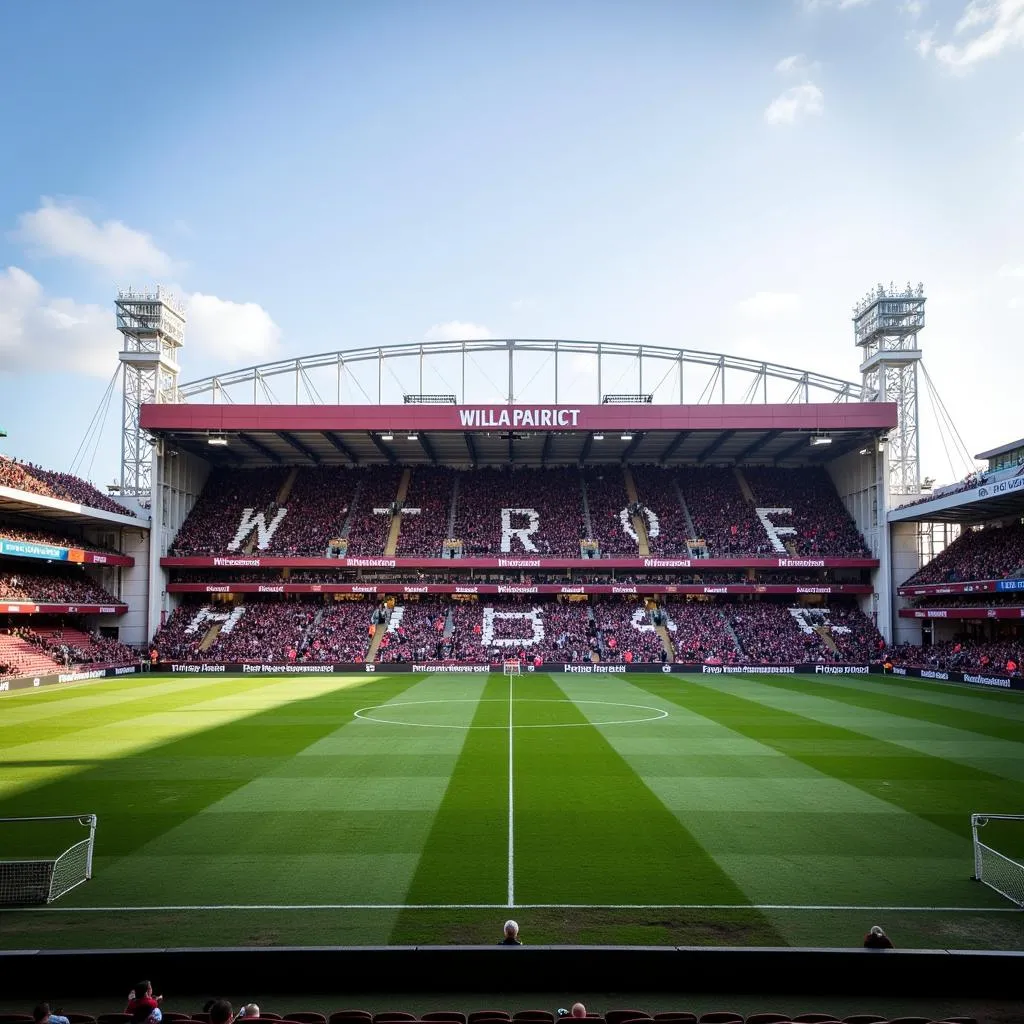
(634, 713)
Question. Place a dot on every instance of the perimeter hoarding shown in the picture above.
(54, 553)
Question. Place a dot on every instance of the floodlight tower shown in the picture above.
(153, 326)
(886, 323)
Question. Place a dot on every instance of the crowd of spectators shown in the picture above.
(423, 532)
(553, 493)
(823, 525)
(368, 530)
(52, 587)
(24, 476)
(722, 516)
(991, 553)
(1012, 599)
(317, 505)
(606, 499)
(1003, 657)
(622, 639)
(75, 645)
(699, 633)
(340, 632)
(657, 490)
(416, 632)
(216, 516)
(32, 535)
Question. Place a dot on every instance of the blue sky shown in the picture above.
(723, 175)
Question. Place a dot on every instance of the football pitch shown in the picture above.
(408, 808)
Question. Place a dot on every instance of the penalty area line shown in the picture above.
(518, 906)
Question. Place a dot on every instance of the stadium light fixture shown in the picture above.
(626, 437)
(387, 437)
(217, 440)
(413, 437)
(820, 439)
(599, 437)
(866, 451)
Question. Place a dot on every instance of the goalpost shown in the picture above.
(995, 869)
(512, 667)
(36, 877)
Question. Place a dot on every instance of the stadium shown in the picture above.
(664, 668)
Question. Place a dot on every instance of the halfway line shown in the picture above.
(511, 812)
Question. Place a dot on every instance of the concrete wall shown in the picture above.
(178, 480)
(861, 483)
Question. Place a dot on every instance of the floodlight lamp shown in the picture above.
(217, 440)
(599, 437)
(413, 437)
(626, 437)
(866, 451)
(387, 437)
(820, 439)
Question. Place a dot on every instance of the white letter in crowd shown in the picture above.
(522, 532)
(535, 627)
(257, 522)
(775, 532)
(209, 616)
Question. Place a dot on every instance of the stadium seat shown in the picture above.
(535, 1016)
(621, 1016)
(306, 1017)
(909, 1020)
(865, 1018)
(15, 1018)
(350, 1017)
(721, 1017)
(479, 1015)
(452, 1016)
(956, 1020)
(166, 1015)
(768, 1018)
(88, 1018)
(677, 1017)
(113, 1018)
(392, 1017)
(815, 1018)
(203, 1018)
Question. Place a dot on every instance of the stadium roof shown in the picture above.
(564, 434)
(982, 504)
(41, 506)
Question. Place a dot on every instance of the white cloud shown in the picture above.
(799, 101)
(993, 26)
(1017, 302)
(797, 64)
(913, 8)
(38, 332)
(769, 305)
(226, 330)
(57, 229)
(1007, 271)
(457, 330)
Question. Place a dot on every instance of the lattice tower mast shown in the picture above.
(153, 326)
(886, 323)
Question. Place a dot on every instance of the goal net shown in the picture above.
(511, 667)
(41, 859)
(1002, 869)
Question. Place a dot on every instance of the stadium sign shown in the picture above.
(976, 587)
(550, 416)
(53, 553)
(504, 562)
(962, 613)
(646, 589)
(23, 608)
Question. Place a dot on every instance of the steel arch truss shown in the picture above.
(671, 373)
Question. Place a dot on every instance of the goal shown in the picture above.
(511, 667)
(1004, 871)
(37, 864)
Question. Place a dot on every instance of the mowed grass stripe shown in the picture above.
(588, 829)
(342, 821)
(465, 856)
(783, 831)
(990, 723)
(148, 792)
(935, 789)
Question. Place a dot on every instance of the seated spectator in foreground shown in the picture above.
(511, 937)
(250, 1011)
(221, 1012)
(41, 1015)
(141, 997)
(877, 939)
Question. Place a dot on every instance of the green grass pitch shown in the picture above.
(757, 810)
